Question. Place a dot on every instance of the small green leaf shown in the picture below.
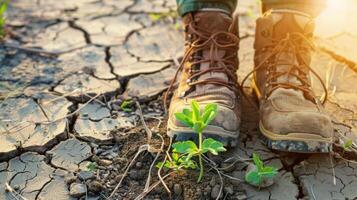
(261, 172)
(125, 106)
(186, 162)
(258, 163)
(198, 126)
(268, 172)
(347, 145)
(170, 165)
(184, 119)
(253, 178)
(159, 165)
(185, 147)
(196, 111)
(167, 165)
(212, 146)
(175, 156)
(92, 166)
(187, 113)
(209, 113)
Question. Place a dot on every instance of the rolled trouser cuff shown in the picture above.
(311, 7)
(186, 6)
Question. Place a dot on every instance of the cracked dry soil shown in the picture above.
(66, 67)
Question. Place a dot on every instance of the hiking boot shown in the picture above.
(291, 116)
(208, 75)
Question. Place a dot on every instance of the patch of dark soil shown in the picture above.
(182, 184)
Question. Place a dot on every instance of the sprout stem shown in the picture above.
(199, 156)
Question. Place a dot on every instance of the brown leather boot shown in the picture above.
(291, 116)
(208, 75)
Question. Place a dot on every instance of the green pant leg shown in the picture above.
(312, 7)
(186, 6)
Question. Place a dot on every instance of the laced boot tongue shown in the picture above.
(285, 23)
(212, 22)
(284, 26)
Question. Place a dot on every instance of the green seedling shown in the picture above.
(186, 150)
(178, 162)
(347, 145)
(261, 172)
(3, 7)
(125, 105)
(92, 166)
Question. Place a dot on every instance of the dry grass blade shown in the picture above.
(147, 184)
(210, 163)
(13, 192)
(143, 194)
(148, 131)
(141, 149)
(333, 169)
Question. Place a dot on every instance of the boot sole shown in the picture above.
(293, 142)
(296, 142)
(228, 138)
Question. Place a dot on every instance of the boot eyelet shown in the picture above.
(265, 33)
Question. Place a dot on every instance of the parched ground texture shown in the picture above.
(66, 66)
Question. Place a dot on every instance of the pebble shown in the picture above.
(119, 160)
(137, 174)
(177, 189)
(77, 190)
(86, 175)
(69, 179)
(95, 186)
(215, 192)
(241, 196)
(139, 165)
(104, 162)
(118, 177)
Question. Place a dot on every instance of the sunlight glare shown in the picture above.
(338, 17)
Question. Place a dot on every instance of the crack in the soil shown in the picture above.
(290, 168)
(122, 80)
(86, 35)
(43, 186)
(72, 120)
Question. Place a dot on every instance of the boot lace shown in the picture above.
(215, 42)
(292, 44)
